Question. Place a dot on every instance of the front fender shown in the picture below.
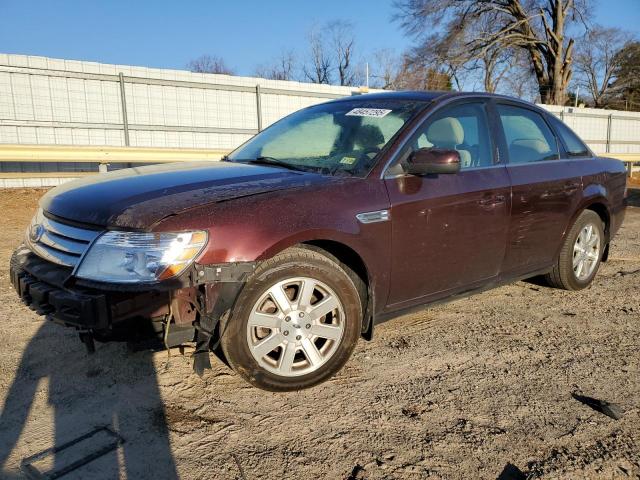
(257, 227)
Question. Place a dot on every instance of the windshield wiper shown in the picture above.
(276, 162)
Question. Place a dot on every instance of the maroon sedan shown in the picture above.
(336, 218)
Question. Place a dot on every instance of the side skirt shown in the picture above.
(497, 282)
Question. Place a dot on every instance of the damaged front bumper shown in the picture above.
(172, 312)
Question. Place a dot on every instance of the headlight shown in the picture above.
(130, 257)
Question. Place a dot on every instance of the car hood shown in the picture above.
(137, 198)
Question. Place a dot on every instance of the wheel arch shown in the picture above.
(349, 257)
(595, 198)
(343, 252)
(603, 212)
(600, 206)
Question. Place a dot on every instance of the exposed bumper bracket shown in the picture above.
(224, 272)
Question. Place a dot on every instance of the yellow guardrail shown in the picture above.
(105, 155)
(628, 158)
(625, 157)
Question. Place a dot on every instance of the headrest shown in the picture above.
(369, 136)
(540, 146)
(447, 131)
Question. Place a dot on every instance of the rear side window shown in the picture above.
(529, 138)
(575, 147)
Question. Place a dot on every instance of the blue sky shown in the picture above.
(245, 33)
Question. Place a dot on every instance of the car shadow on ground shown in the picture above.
(112, 388)
(633, 196)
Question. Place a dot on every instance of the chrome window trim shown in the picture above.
(546, 162)
(503, 165)
(488, 167)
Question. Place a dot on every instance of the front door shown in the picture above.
(448, 231)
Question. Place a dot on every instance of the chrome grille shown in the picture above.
(58, 242)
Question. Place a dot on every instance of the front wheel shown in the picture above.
(295, 323)
(580, 255)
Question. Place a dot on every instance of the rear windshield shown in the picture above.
(336, 138)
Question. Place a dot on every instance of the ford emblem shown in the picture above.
(35, 232)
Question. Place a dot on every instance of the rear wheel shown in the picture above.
(581, 254)
(295, 323)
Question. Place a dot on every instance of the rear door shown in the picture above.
(546, 189)
(449, 230)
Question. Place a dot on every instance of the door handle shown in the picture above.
(571, 187)
(491, 201)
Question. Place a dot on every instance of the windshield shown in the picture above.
(337, 138)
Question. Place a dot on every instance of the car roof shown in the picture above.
(393, 95)
(427, 96)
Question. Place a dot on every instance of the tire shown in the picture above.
(282, 306)
(567, 273)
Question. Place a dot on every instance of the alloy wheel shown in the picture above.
(295, 327)
(586, 252)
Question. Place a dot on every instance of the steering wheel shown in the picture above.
(369, 150)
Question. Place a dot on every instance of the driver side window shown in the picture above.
(463, 128)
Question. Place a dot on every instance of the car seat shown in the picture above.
(448, 133)
(524, 150)
(368, 137)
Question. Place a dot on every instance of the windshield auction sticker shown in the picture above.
(368, 112)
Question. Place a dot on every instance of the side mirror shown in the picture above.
(433, 160)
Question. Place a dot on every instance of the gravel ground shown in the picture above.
(477, 388)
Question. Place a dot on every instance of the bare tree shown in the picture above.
(626, 86)
(496, 61)
(495, 64)
(406, 72)
(597, 62)
(318, 68)
(342, 43)
(519, 79)
(414, 75)
(331, 55)
(537, 27)
(283, 68)
(385, 69)
(505, 70)
(484, 69)
(210, 64)
(442, 53)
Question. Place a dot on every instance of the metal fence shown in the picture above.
(605, 131)
(46, 101)
(111, 113)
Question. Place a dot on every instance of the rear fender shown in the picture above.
(593, 195)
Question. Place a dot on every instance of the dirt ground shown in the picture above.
(478, 388)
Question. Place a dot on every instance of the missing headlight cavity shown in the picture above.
(71, 455)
